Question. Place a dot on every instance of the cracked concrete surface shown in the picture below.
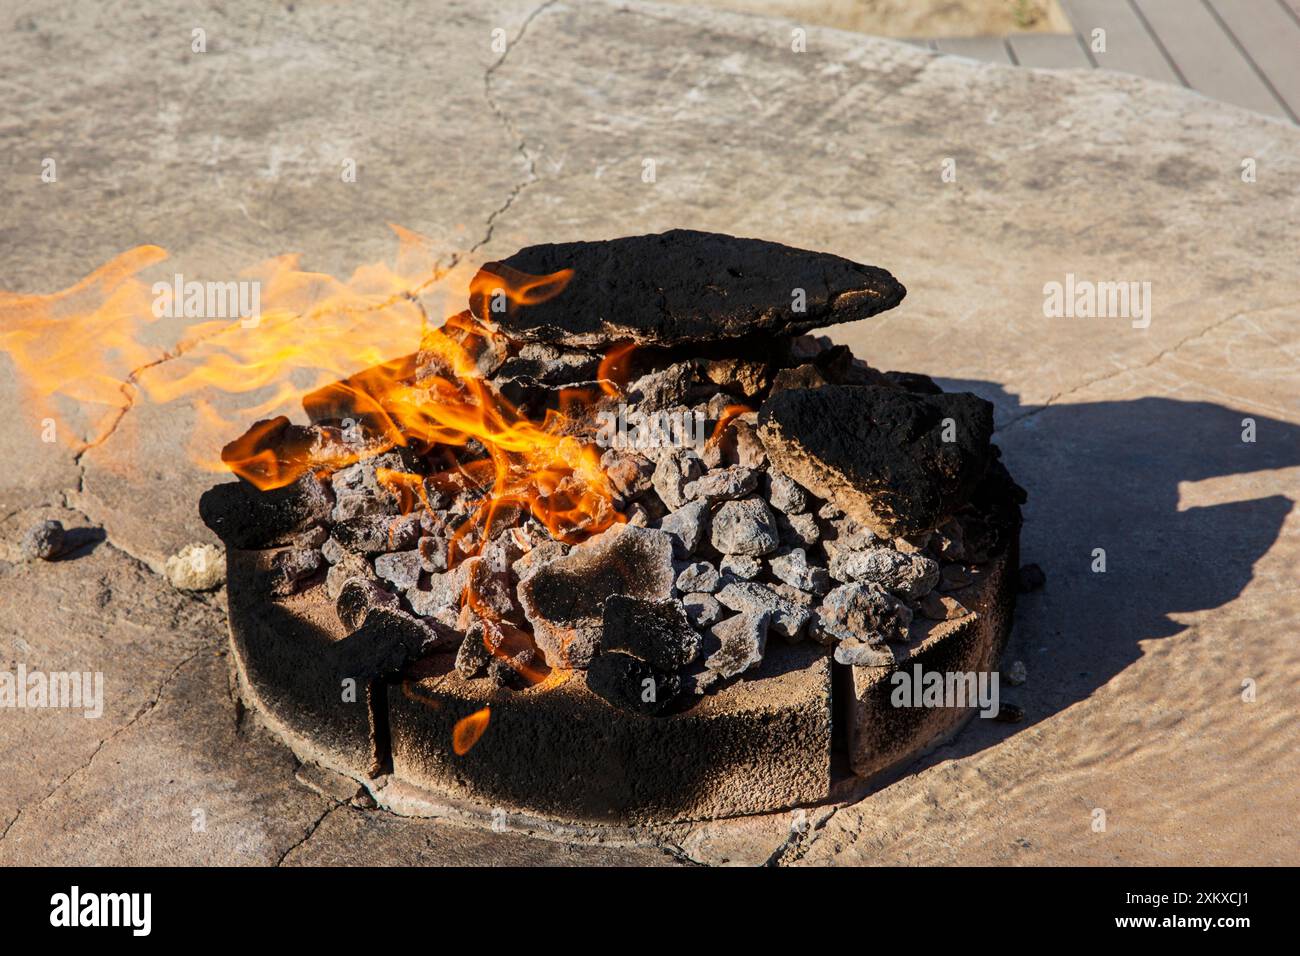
(1129, 440)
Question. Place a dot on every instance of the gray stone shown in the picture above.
(43, 541)
(539, 556)
(629, 473)
(442, 599)
(745, 526)
(784, 617)
(741, 641)
(698, 577)
(791, 566)
(785, 495)
(859, 653)
(401, 569)
(673, 470)
(687, 527)
(377, 534)
(431, 552)
(702, 609)
(723, 484)
(739, 567)
(565, 599)
(799, 531)
(1016, 673)
(911, 576)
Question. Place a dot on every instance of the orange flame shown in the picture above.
(356, 350)
(468, 730)
(615, 369)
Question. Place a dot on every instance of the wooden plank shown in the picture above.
(1130, 48)
(1206, 56)
(1271, 38)
(1053, 51)
(989, 49)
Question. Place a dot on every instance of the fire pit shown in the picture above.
(622, 542)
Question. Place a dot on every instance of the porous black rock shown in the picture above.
(564, 600)
(244, 517)
(657, 632)
(680, 286)
(900, 462)
(386, 641)
(632, 684)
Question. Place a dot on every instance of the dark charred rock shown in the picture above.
(740, 643)
(473, 656)
(682, 286)
(357, 598)
(657, 632)
(880, 453)
(633, 685)
(914, 382)
(564, 600)
(378, 534)
(549, 365)
(863, 612)
(386, 641)
(294, 567)
(244, 517)
(807, 375)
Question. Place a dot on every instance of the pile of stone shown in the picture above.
(767, 486)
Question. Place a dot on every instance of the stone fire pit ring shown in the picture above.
(361, 682)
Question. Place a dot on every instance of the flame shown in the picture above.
(468, 730)
(615, 369)
(361, 349)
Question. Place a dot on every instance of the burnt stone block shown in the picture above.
(681, 286)
(245, 518)
(881, 735)
(900, 462)
(288, 661)
(760, 744)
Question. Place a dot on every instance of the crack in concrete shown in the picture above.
(148, 707)
(1154, 360)
(521, 142)
(311, 830)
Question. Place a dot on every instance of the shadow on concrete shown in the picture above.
(1107, 475)
(79, 542)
